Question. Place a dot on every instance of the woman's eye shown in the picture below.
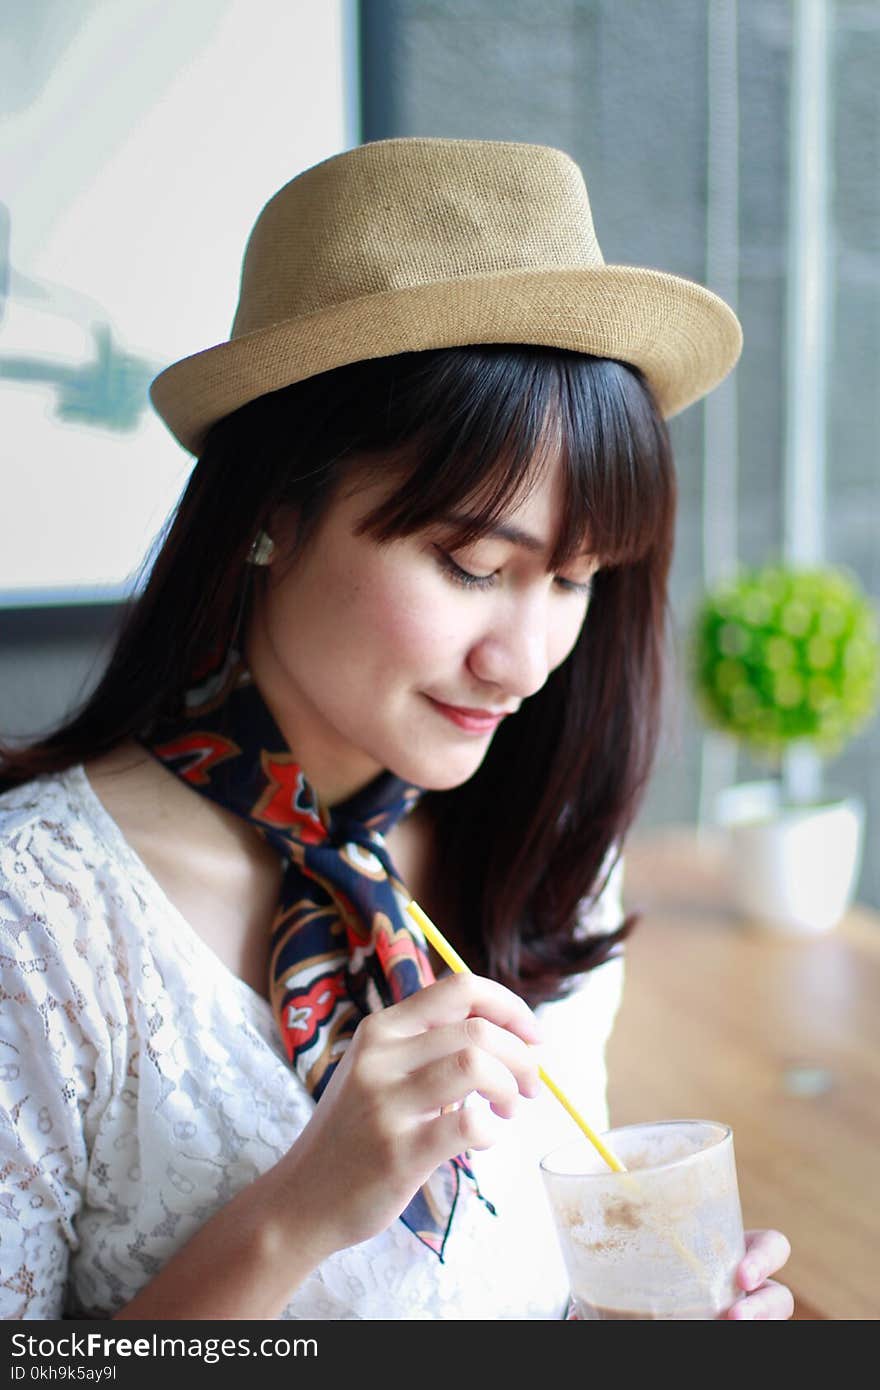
(464, 577)
(486, 581)
(570, 587)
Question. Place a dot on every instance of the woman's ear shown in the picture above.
(283, 526)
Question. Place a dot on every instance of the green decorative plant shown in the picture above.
(786, 655)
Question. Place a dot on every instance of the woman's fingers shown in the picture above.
(771, 1302)
(430, 1052)
(453, 999)
(453, 1077)
(471, 1127)
(392, 1110)
(766, 1253)
(465, 1041)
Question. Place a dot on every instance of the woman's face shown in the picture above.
(360, 648)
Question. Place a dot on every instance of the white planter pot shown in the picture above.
(792, 869)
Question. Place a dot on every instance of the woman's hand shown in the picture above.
(384, 1122)
(766, 1253)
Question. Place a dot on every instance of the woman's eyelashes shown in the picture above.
(460, 576)
(486, 581)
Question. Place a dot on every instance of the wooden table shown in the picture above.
(778, 1037)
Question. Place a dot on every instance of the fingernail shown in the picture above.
(743, 1311)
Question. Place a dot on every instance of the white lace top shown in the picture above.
(142, 1085)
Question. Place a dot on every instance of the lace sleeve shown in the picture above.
(49, 1028)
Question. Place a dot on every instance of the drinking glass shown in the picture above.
(663, 1239)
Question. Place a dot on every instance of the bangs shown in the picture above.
(471, 429)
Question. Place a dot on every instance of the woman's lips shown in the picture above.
(471, 721)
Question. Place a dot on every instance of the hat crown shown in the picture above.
(416, 244)
(397, 214)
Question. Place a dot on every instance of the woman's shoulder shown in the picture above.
(56, 813)
(46, 811)
(62, 865)
(56, 932)
(81, 820)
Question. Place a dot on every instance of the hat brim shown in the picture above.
(684, 338)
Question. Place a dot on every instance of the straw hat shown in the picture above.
(407, 244)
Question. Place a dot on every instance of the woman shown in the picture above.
(402, 639)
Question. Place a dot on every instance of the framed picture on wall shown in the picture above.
(138, 142)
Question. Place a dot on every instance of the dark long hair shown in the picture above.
(530, 839)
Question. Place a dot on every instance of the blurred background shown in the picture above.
(736, 142)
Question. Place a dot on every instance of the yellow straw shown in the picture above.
(448, 954)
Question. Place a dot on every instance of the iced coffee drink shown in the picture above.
(663, 1239)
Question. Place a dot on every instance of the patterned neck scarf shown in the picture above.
(342, 944)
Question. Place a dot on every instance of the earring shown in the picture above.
(262, 550)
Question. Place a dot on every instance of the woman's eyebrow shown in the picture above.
(501, 530)
(505, 532)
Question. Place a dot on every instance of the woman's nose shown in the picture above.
(513, 652)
